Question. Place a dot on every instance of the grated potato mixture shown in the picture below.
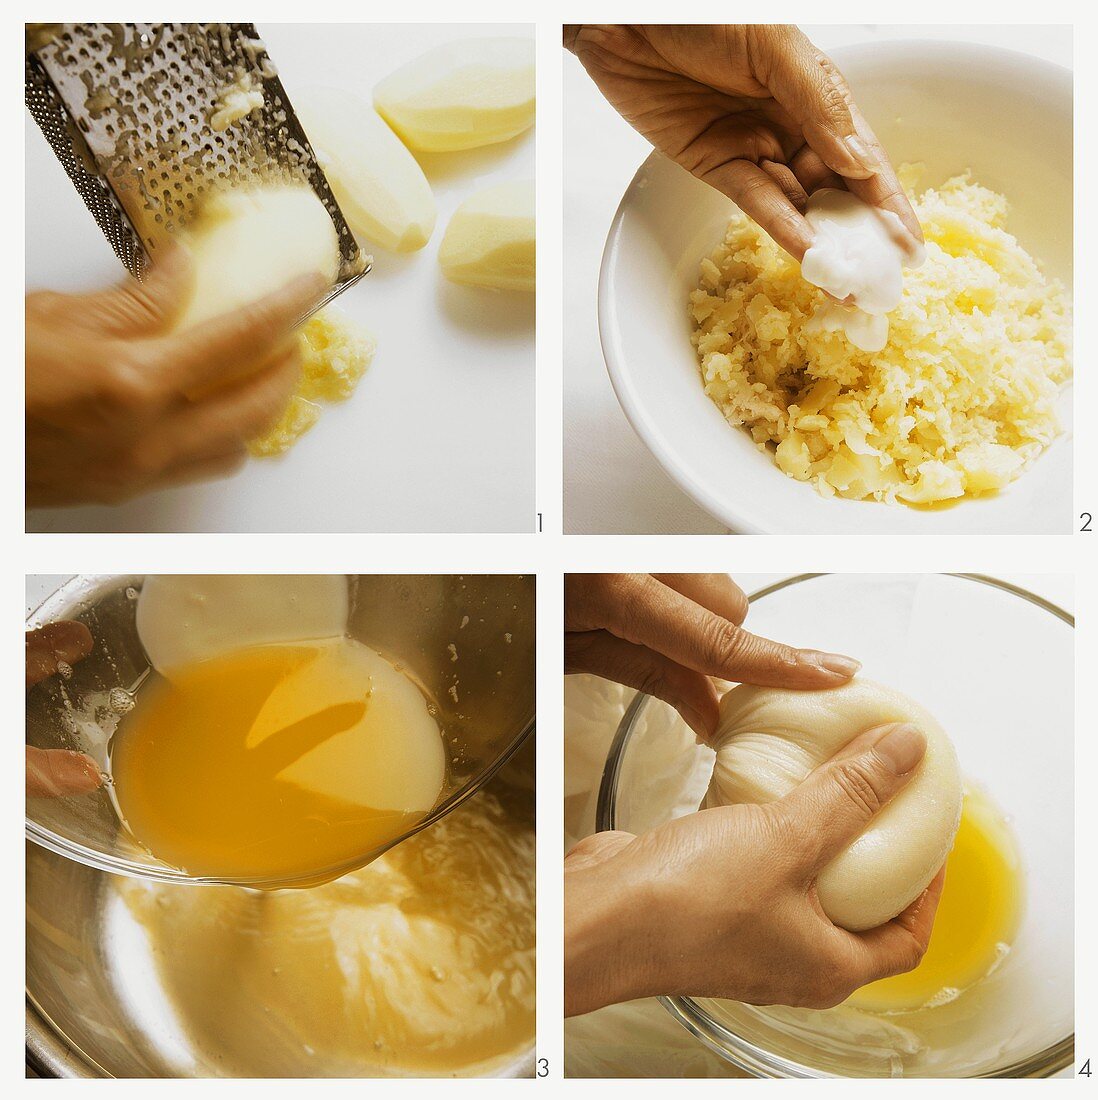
(335, 353)
(960, 400)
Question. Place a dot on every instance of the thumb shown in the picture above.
(808, 85)
(840, 798)
(596, 849)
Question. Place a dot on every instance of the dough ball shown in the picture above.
(770, 739)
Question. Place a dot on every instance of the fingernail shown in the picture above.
(916, 249)
(901, 748)
(832, 662)
(862, 153)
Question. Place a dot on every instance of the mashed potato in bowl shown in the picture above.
(958, 403)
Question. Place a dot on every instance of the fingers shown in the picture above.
(205, 469)
(899, 945)
(842, 796)
(136, 308)
(716, 592)
(208, 438)
(759, 195)
(812, 173)
(596, 849)
(650, 614)
(693, 695)
(918, 917)
(231, 346)
(64, 642)
(218, 427)
(884, 190)
(55, 773)
(808, 85)
(791, 187)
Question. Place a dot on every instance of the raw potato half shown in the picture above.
(461, 95)
(246, 244)
(491, 239)
(378, 184)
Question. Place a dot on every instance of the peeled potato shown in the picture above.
(245, 244)
(491, 239)
(378, 184)
(461, 95)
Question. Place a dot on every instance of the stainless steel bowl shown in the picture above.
(484, 702)
(77, 1023)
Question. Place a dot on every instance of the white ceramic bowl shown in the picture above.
(951, 106)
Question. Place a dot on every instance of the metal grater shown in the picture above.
(126, 108)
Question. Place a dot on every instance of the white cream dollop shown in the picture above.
(183, 618)
(858, 256)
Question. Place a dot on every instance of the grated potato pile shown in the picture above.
(335, 353)
(960, 400)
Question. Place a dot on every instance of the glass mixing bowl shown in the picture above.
(411, 620)
(995, 665)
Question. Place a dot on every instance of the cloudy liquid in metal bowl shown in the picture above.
(421, 964)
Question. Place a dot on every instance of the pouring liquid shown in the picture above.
(278, 763)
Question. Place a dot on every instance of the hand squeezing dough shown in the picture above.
(770, 739)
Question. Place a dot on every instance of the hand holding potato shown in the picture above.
(118, 402)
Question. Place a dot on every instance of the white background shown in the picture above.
(612, 483)
(550, 554)
(438, 435)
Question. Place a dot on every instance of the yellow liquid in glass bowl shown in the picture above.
(977, 919)
(277, 762)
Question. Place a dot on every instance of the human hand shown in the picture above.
(54, 773)
(667, 633)
(754, 110)
(117, 403)
(723, 903)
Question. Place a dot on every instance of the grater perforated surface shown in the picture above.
(126, 107)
